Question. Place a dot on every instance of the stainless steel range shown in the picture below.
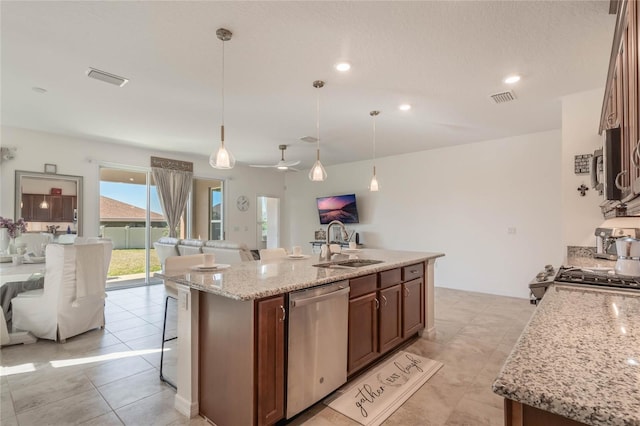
(599, 277)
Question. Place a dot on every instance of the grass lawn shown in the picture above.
(131, 261)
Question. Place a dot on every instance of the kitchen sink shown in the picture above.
(351, 263)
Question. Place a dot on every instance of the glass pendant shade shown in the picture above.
(317, 172)
(373, 186)
(44, 204)
(222, 158)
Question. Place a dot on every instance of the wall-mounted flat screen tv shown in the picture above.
(338, 207)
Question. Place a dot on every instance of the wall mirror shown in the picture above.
(47, 200)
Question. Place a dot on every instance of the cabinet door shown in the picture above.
(390, 317)
(270, 360)
(363, 331)
(68, 204)
(27, 207)
(38, 214)
(55, 205)
(412, 307)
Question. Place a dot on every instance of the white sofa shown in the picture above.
(225, 251)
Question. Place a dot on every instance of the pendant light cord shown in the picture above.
(222, 127)
(223, 83)
(374, 141)
(318, 124)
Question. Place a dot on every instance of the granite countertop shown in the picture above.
(579, 357)
(257, 279)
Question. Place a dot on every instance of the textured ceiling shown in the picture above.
(445, 58)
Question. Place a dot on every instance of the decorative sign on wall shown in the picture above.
(582, 164)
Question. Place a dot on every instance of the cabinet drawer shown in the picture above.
(390, 277)
(412, 271)
(362, 285)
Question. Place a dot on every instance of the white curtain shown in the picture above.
(173, 180)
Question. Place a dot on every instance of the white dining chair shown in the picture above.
(274, 253)
(72, 300)
(34, 242)
(174, 265)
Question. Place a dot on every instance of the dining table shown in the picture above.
(15, 279)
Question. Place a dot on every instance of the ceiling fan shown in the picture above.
(282, 164)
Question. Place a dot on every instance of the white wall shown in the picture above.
(461, 201)
(580, 215)
(82, 157)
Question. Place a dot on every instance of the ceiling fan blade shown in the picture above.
(288, 163)
(262, 165)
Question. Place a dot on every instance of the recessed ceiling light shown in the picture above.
(131, 179)
(343, 66)
(404, 107)
(512, 79)
(39, 90)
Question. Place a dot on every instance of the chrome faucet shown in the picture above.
(344, 232)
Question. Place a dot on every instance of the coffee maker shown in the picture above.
(606, 241)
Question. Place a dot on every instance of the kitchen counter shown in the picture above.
(258, 279)
(579, 357)
(220, 316)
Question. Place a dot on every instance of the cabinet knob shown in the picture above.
(384, 299)
(377, 303)
(284, 313)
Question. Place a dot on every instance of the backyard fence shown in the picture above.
(130, 237)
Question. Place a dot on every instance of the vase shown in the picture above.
(4, 241)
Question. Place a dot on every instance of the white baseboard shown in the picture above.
(431, 333)
(184, 406)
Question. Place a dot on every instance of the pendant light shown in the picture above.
(317, 172)
(44, 204)
(373, 186)
(222, 158)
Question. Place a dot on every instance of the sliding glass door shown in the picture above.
(131, 216)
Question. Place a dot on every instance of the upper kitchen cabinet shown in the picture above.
(621, 105)
(57, 208)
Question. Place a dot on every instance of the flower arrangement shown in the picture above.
(14, 228)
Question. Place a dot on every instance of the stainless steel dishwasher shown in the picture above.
(318, 332)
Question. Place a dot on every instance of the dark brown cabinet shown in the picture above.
(241, 359)
(621, 107)
(384, 310)
(270, 345)
(390, 317)
(518, 414)
(412, 307)
(363, 331)
(60, 208)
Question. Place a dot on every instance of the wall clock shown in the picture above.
(242, 203)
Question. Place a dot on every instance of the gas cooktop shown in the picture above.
(597, 277)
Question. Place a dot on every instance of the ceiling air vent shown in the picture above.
(106, 77)
(503, 97)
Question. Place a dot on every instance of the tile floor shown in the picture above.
(110, 377)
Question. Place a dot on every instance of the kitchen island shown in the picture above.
(577, 361)
(232, 334)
